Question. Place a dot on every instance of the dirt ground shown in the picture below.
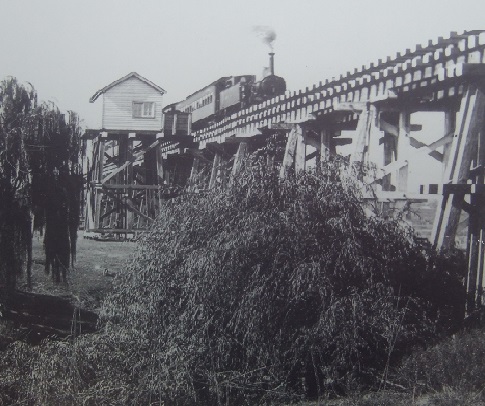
(97, 264)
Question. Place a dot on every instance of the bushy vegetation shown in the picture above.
(450, 373)
(272, 291)
(454, 367)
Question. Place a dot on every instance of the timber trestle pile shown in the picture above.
(378, 114)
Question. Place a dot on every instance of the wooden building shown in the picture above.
(125, 178)
(131, 103)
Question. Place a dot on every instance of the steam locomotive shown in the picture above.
(228, 95)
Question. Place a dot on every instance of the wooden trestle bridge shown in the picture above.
(380, 114)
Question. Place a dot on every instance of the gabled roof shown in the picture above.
(116, 82)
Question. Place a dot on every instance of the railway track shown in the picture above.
(431, 72)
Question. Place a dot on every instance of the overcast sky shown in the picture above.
(70, 49)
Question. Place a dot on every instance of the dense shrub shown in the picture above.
(269, 292)
(276, 288)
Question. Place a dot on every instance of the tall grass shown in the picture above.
(455, 366)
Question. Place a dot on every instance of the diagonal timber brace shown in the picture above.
(470, 124)
(129, 162)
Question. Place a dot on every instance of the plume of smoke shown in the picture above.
(267, 34)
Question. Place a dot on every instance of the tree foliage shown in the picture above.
(16, 104)
(40, 181)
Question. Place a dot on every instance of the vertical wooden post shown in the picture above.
(91, 191)
(473, 254)
(194, 172)
(290, 151)
(160, 171)
(326, 147)
(160, 168)
(119, 216)
(238, 161)
(129, 181)
(480, 282)
(98, 192)
(469, 123)
(300, 156)
(102, 142)
(215, 170)
(94, 164)
(88, 210)
(117, 146)
(403, 147)
(363, 133)
(389, 146)
(449, 127)
(322, 153)
(480, 179)
(476, 229)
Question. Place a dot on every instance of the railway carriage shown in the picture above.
(229, 94)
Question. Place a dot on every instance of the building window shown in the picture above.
(143, 110)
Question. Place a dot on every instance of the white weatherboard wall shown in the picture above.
(118, 106)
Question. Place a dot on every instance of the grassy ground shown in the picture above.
(88, 283)
(96, 266)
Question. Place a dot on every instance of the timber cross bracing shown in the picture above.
(372, 114)
(126, 180)
(373, 109)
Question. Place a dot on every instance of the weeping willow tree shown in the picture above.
(16, 104)
(40, 182)
(56, 184)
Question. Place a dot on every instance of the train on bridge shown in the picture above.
(228, 95)
(380, 112)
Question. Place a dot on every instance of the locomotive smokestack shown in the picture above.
(271, 63)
